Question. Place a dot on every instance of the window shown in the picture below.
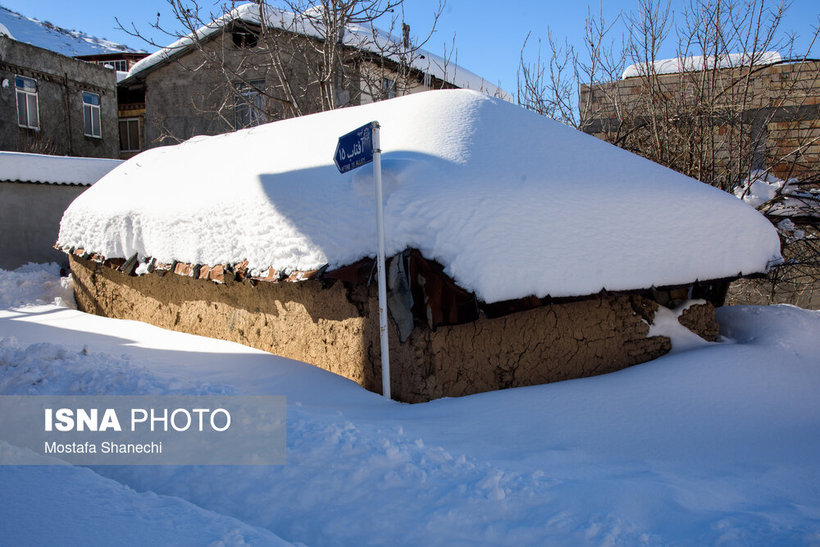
(27, 112)
(91, 114)
(120, 65)
(388, 88)
(244, 38)
(130, 140)
(249, 104)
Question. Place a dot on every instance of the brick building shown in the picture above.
(737, 117)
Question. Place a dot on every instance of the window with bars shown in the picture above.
(27, 105)
(91, 115)
(130, 140)
(249, 104)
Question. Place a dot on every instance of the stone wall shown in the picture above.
(334, 325)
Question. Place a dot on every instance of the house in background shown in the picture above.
(229, 77)
(53, 104)
(69, 48)
(766, 113)
(130, 104)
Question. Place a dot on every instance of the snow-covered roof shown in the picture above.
(699, 62)
(4, 31)
(48, 36)
(357, 36)
(23, 167)
(511, 203)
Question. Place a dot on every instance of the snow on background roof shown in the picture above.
(510, 202)
(54, 38)
(357, 36)
(23, 167)
(699, 62)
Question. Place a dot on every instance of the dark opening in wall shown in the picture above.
(244, 38)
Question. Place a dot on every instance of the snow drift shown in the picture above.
(511, 203)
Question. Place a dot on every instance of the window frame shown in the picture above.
(92, 108)
(119, 65)
(27, 94)
(249, 104)
(127, 122)
(389, 86)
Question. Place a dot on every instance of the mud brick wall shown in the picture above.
(335, 327)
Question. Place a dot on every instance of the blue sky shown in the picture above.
(488, 35)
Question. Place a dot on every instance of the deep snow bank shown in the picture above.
(652, 454)
(511, 203)
(35, 284)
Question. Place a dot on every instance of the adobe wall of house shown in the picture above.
(783, 105)
(60, 83)
(335, 326)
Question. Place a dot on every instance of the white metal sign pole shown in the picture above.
(377, 175)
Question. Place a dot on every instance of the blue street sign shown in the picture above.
(355, 148)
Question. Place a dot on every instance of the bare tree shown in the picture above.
(288, 58)
(551, 86)
(726, 110)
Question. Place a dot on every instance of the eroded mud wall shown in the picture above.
(336, 328)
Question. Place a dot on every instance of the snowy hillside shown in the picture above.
(511, 203)
(712, 446)
(49, 36)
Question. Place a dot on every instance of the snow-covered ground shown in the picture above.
(714, 445)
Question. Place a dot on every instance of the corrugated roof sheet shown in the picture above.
(44, 169)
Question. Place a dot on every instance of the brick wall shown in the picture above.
(774, 111)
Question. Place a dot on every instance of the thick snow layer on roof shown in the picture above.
(23, 167)
(4, 31)
(48, 36)
(510, 202)
(357, 36)
(699, 62)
